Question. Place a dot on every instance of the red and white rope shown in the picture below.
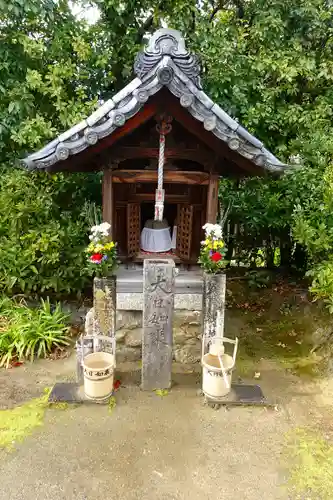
(159, 203)
(161, 160)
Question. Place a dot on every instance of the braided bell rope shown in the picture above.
(159, 206)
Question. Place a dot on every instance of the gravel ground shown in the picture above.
(152, 447)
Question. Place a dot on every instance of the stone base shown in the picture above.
(134, 301)
(71, 393)
(187, 331)
(241, 395)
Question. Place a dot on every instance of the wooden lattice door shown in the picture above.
(133, 229)
(184, 231)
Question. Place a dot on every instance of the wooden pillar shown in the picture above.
(107, 196)
(212, 199)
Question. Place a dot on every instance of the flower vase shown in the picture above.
(105, 306)
(213, 304)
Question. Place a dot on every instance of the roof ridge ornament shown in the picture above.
(168, 42)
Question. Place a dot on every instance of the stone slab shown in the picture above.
(105, 306)
(134, 301)
(242, 395)
(71, 393)
(186, 281)
(158, 286)
(214, 305)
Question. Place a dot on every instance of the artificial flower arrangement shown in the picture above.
(212, 249)
(102, 253)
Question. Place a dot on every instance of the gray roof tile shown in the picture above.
(165, 62)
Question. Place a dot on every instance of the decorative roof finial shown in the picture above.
(168, 42)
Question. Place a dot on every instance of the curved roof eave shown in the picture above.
(164, 63)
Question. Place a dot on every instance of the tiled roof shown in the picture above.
(165, 62)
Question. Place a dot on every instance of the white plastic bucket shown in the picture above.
(214, 384)
(98, 370)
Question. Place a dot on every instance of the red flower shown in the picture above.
(96, 257)
(216, 256)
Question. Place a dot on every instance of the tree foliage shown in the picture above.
(267, 62)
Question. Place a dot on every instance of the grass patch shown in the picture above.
(311, 459)
(27, 333)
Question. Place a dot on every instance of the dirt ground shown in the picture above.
(173, 447)
(156, 448)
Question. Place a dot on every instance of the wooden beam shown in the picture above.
(212, 199)
(147, 112)
(169, 198)
(180, 177)
(132, 152)
(107, 192)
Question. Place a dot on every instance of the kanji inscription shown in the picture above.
(214, 305)
(158, 293)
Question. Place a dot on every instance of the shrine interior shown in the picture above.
(147, 213)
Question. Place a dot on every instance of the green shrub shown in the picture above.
(29, 333)
(313, 228)
(44, 231)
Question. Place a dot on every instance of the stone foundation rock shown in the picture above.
(124, 354)
(186, 336)
(187, 331)
(188, 353)
(133, 338)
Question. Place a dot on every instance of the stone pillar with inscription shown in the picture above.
(100, 322)
(213, 305)
(105, 306)
(158, 306)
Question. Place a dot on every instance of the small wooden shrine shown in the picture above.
(162, 145)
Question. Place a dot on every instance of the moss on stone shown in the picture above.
(20, 422)
(112, 404)
(59, 406)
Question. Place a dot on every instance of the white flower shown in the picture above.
(102, 229)
(213, 230)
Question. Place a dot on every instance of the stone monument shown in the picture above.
(100, 323)
(213, 305)
(158, 305)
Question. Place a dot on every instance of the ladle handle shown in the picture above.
(225, 378)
